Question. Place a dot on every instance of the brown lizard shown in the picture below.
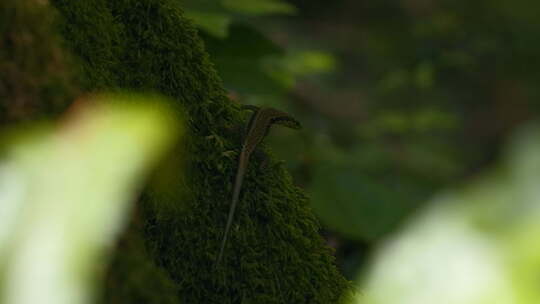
(258, 127)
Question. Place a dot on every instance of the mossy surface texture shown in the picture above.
(274, 253)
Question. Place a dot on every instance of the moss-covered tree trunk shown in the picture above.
(274, 253)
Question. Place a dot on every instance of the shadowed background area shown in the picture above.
(399, 98)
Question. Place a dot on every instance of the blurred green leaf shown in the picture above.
(64, 194)
(440, 258)
(215, 16)
(352, 204)
(424, 120)
(239, 60)
(259, 7)
(308, 62)
(215, 24)
(357, 201)
(478, 244)
(209, 15)
(425, 75)
(288, 68)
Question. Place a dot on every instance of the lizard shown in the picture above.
(257, 129)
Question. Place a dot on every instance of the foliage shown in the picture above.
(476, 244)
(436, 87)
(399, 100)
(253, 67)
(65, 193)
(215, 16)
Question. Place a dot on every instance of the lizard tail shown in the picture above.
(236, 193)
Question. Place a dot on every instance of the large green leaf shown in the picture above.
(259, 7)
(214, 23)
(473, 245)
(65, 193)
(215, 16)
(355, 204)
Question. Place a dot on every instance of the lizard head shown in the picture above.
(288, 122)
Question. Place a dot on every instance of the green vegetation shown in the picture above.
(64, 198)
(473, 245)
(274, 252)
(405, 106)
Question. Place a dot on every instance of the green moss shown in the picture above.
(133, 276)
(274, 253)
